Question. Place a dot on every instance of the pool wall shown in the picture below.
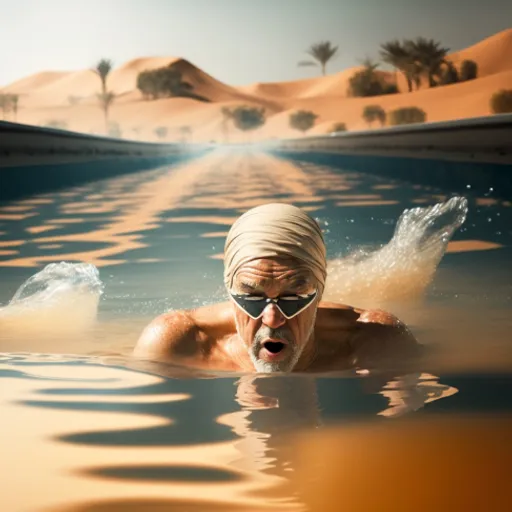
(453, 155)
(35, 160)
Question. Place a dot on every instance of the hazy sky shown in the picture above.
(236, 41)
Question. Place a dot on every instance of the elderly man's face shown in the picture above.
(274, 342)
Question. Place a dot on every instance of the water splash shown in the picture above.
(61, 298)
(401, 270)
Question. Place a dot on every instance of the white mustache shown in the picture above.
(265, 332)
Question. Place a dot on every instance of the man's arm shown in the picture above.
(169, 337)
(381, 339)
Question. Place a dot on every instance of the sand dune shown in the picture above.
(493, 55)
(30, 83)
(49, 96)
(55, 89)
(330, 85)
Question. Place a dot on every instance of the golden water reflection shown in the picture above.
(445, 463)
(112, 220)
(137, 437)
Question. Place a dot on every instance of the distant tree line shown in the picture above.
(423, 58)
(417, 59)
(404, 115)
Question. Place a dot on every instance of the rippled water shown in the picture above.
(87, 428)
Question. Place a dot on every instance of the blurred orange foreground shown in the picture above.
(442, 464)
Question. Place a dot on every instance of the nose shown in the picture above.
(272, 317)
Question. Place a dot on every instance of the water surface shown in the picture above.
(88, 428)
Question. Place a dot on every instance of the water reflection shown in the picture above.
(147, 436)
(121, 220)
(156, 233)
(162, 505)
(188, 433)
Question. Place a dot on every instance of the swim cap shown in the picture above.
(274, 230)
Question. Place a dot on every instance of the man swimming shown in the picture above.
(275, 320)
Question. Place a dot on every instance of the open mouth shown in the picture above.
(274, 347)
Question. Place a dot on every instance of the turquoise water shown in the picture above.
(108, 430)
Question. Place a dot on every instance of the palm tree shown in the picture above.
(103, 69)
(106, 100)
(369, 64)
(429, 56)
(322, 53)
(399, 56)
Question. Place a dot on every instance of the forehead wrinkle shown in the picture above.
(273, 275)
(297, 284)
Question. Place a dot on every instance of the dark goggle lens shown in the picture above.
(289, 306)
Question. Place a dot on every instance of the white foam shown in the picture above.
(60, 299)
(401, 270)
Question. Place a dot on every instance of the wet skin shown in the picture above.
(325, 336)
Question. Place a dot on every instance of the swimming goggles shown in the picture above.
(289, 306)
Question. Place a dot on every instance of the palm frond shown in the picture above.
(323, 51)
(103, 68)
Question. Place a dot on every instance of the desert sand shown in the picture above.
(71, 97)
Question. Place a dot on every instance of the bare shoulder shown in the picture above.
(370, 336)
(183, 334)
(343, 313)
(379, 337)
(169, 335)
(380, 317)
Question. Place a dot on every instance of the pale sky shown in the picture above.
(237, 41)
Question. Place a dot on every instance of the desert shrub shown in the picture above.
(58, 124)
(389, 88)
(161, 132)
(165, 82)
(373, 113)
(74, 100)
(248, 118)
(338, 127)
(114, 130)
(407, 115)
(449, 75)
(367, 83)
(468, 70)
(501, 102)
(302, 120)
(8, 103)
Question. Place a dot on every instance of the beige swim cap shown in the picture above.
(272, 230)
